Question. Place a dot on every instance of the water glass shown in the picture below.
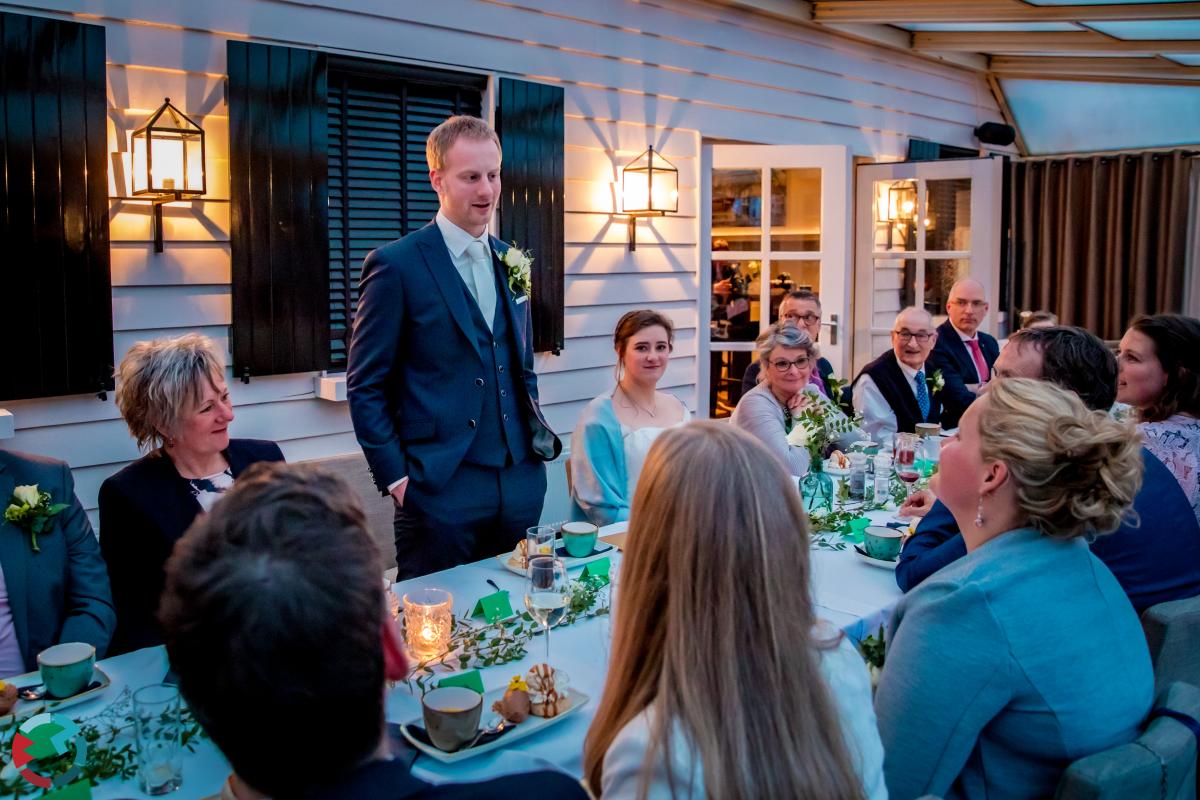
(539, 541)
(156, 711)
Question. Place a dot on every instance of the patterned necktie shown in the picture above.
(922, 395)
(980, 362)
(484, 288)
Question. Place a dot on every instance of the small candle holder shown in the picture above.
(428, 616)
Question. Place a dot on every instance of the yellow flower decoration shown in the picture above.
(518, 683)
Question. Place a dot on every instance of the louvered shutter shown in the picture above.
(379, 118)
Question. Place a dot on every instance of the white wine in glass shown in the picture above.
(546, 593)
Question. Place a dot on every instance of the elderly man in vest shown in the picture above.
(895, 391)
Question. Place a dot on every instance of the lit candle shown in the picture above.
(428, 616)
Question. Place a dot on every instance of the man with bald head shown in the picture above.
(892, 392)
(964, 354)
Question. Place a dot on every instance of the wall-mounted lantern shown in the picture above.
(168, 161)
(649, 188)
(902, 202)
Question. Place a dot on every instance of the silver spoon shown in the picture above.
(35, 692)
(499, 723)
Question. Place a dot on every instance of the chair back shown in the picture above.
(1173, 633)
(1160, 763)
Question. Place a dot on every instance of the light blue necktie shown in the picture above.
(922, 395)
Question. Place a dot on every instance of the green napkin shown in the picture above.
(493, 606)
(852, 531)
(468, 680)
(597, 569)
(79, 790)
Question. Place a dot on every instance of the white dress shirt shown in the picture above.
(973, 338)
(878, 417)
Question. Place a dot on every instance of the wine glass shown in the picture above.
(546, 593)
(905, 447)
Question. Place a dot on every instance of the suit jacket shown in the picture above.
(415, 371)
(392, 780)
(61, 593)
(951, 356)
(144, 509)
(1154, 556)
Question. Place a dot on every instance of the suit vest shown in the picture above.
(501, 435)
(894, 386)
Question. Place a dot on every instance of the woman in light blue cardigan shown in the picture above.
(616, 429)
(1025, 655)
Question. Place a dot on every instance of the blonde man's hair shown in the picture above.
(1077, 471)
(443, 137)
(160, 382)
(716, 626)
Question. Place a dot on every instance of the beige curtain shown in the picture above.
(1191, 275)
(1099, 240)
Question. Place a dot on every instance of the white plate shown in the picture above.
(527, 728)
(570, 563)
(877, 562)
(27, 708)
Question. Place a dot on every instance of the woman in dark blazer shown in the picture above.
(173, 397)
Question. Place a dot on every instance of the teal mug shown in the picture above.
(579, 538)
(67, 668)
(882, 543)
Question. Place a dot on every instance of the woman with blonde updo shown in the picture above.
(1006, 665)
(173, 397)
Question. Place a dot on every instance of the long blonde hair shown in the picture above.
(715, 625)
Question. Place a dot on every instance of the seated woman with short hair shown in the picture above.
(1010, 663)
(173, 397)
(723, 683)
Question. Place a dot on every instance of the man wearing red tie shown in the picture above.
(963, 353)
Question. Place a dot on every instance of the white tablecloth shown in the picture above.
(853, 595)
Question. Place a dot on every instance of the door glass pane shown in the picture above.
(725, 384)
(895, 214)
(787, 276)
(895, 288)
(940, 275)
(948, 214)
(736, 298)
(736, 209)
(796, 209)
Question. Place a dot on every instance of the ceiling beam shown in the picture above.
(1149, 69)
(900, 11)
(1014, 42)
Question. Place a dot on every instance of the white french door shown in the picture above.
(921, 226)
(776, 219)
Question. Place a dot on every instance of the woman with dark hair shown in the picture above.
(1158, 374)
(616, 429)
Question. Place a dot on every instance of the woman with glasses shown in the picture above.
(769, 410)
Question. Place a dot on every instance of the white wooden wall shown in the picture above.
(665, 72)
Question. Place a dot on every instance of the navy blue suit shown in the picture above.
(437, 397)
(1154, 561)
(950, 355)
(61, 593)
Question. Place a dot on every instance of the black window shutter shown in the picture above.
(529, 119)
(380, 115)
(280, 216)
(56, 324)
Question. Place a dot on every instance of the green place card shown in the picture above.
(597, 569)
(853, 530)
(468, 680)
(79, 790)
(493, 607)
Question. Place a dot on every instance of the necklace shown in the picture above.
(634, 404)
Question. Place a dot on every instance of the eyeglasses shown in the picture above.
(977, 304)
(807, 319)
(782, 364)
(922, 338)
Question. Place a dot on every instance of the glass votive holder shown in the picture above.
(428, 617)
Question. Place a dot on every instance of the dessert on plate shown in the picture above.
(547, 691)
(515, 705)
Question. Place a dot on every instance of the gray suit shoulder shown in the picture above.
(29, 462)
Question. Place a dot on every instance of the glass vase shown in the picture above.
(816, 488)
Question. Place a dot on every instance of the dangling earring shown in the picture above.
(979, 513)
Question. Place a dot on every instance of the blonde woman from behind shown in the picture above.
(723, 684)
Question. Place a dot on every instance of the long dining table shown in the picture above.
(854, 596)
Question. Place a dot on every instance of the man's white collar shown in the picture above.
(458, 240)
(909, 372)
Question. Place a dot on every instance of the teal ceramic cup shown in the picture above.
(67, 668)
(579, 538)
(882, 543)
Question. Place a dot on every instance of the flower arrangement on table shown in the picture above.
(816, 428)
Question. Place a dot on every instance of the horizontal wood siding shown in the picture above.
(634, 72)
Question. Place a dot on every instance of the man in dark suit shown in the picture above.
(803, 308)
(59, 593)
(895, 392)
(283, 573)
(442, 391)
(1155, 555)
(963, 353)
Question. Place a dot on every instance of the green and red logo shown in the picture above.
(48, 736)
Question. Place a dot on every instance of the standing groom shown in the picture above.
(440, 377)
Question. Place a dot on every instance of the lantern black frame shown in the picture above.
(159, 197)
(650, 169)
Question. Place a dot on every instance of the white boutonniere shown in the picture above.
(32, 511)
(518, 264)
(936, 382)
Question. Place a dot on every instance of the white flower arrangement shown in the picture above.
(519, 264)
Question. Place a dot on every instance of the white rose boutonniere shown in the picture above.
(28, 495)
(518, 264)
(936, 382)
(32, 511)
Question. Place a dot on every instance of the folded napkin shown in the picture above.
(422, 736)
